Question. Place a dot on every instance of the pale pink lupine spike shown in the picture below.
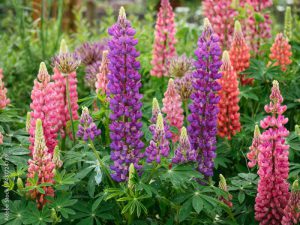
(164, 42)
(4, 101)
(253, 154)
(102, 80)
(172, 108)
(273, 188)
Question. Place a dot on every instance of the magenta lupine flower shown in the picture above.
(172, 108)
(40, 165)
(102, 80)
(159, 145)
(184, 152)
(87, 129)
(4, 101)
(164, 42)
(253, 154)
(45, 107)
(292, 209)
(273, 188)
(221, 15)
(125, 99)
(204, 108)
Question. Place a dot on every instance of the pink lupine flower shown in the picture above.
(221, 16)
(292, 210)
(273, 188)
(73, 97)
(40, 166)
(240, 54)
(281, 52)
(223, 186)
(1, 138)
(172, 108)
(258, 5)
(102, 80)
(4, 101)
(44, 107)
(164, 42)
(253, 154)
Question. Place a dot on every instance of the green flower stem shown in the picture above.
(69, 106)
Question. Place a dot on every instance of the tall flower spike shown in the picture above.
(288, 23)
(102, 81)
(180, 66)
(229, 116)
(45, 107)
(56, 157)
(4, 101)
(164, 42)
(253, 154)
(40, 166)
(273, 188)
(87, 129)
(223, 186)
(281, 52)
(125, 99)
(221, 15)
(240, 54)
(27, 122)
(204, 107)
(1, 138)
(159, 145)
(184, 153)
(172, 108)
(292, 209)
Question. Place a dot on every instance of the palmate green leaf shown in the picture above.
(241, 196)
(62, 179)
(185, 210)
(293, 141)
(61, 203)
(17, 213)
(197, 203)
(294, 170)
(36, 216)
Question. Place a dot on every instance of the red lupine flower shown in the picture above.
(229, 116)
(240, 54)
(164, 43)
(281, 52)
(4, 101)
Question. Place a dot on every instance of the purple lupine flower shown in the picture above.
(125, 99)
(204, 109)
(91, 73)
(87, 129)
(155, 111)
(184, 153)
(159, 145)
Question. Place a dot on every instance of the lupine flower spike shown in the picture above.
(4, 101)
(253, 154)
(159, 145)
(221, 15)
(125, 99)
(45, 107)
(1, 138)
(184, 153)
(281, 52)
(102, 80)
(172, 108)
(40, 166)
(164, 42)
(240, 54)
(229, 116)
(223, 186)
(27, 122)
(273, 163)
(288, 23)
(292, 209)
(204, 108)
(87, 129)
(56, 157)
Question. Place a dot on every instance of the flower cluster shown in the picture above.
(87, 129)
(288, 23)
(223, 186)
(159, 145)
(281, 52)
(273, 164)
(164, 43)
(221, 15)
(229, 116)
(240, 54)
(102, 80)
(45, 107)
(253, 154)
(204, 109)
(291, 211)
(172, 108)
(125, 99)
(40, 167)
(179, 66)
(184, 152)
(4, 101)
